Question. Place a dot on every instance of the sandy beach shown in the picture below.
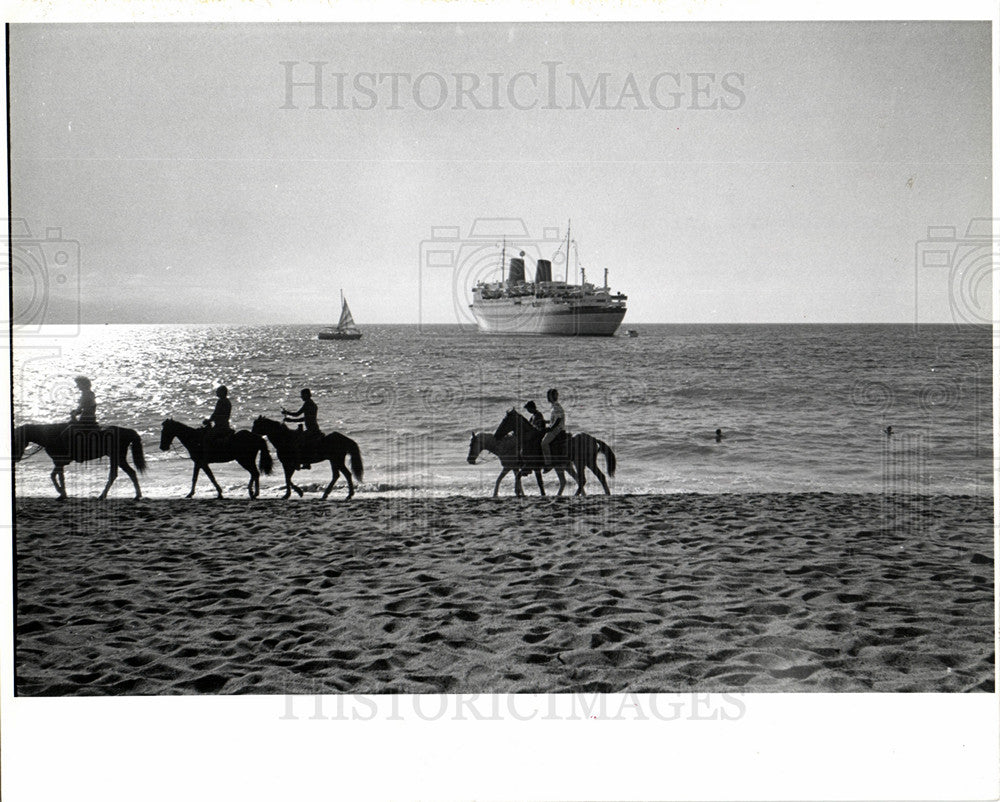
(783, 592)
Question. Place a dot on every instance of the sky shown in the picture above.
(732, 172)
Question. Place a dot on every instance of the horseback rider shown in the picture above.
(85, 413)
(537, 420)
(307, 415)
(557, 424)
(217, 426)
(219, 419)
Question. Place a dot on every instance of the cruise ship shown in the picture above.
(515, 305)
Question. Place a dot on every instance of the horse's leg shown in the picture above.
(296, 488)
(290, 469)
(562, 480)
(350, 483)
(496, 487)
(123, 464)
(518, 487)
(194, 479)
(59, 480)
(600, 476)
(211, 476)
(253, 486)
(538, 478)
(333, 479)
(112, 475)
(581, 478)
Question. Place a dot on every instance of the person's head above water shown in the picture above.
(552, 395)
(222, 391)
(718, 432)
(306, 393)
(82, 382)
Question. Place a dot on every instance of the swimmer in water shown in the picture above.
(718, 435)
(888, 431)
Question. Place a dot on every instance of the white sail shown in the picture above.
(346, 321)
(346, 328)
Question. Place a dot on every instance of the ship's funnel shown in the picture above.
(544, 270)
(516, 271)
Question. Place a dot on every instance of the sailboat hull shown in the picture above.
(339, 335)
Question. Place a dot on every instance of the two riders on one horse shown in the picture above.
(525, 446)
(553, 428)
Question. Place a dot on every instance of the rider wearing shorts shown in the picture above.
(557, 424)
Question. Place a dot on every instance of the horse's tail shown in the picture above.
(136, 442)
(609, 455)
(266, 463)
(357, 466)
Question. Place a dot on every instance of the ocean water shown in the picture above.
(802, 408)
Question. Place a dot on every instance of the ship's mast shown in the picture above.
(566, 268)
(605, 278)
(503, 260)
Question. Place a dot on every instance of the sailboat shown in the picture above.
(346, 328)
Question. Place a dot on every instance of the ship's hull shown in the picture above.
(534, 318)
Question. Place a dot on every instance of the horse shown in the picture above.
(334, 447)
(581, 449)
(243, 447)
(506, 450)
(66, 443)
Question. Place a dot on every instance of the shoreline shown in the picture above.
(661, 593)
(313, 494)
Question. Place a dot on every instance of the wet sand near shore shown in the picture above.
(770, 592)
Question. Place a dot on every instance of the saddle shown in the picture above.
(82, 438)
(558, 448)
(76, 430)
(213, 441)
(306, 444)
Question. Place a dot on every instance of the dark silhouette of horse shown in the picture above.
(66, 443)
(334, 447)
(581, 450)
(242, 446)
(507, 450)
